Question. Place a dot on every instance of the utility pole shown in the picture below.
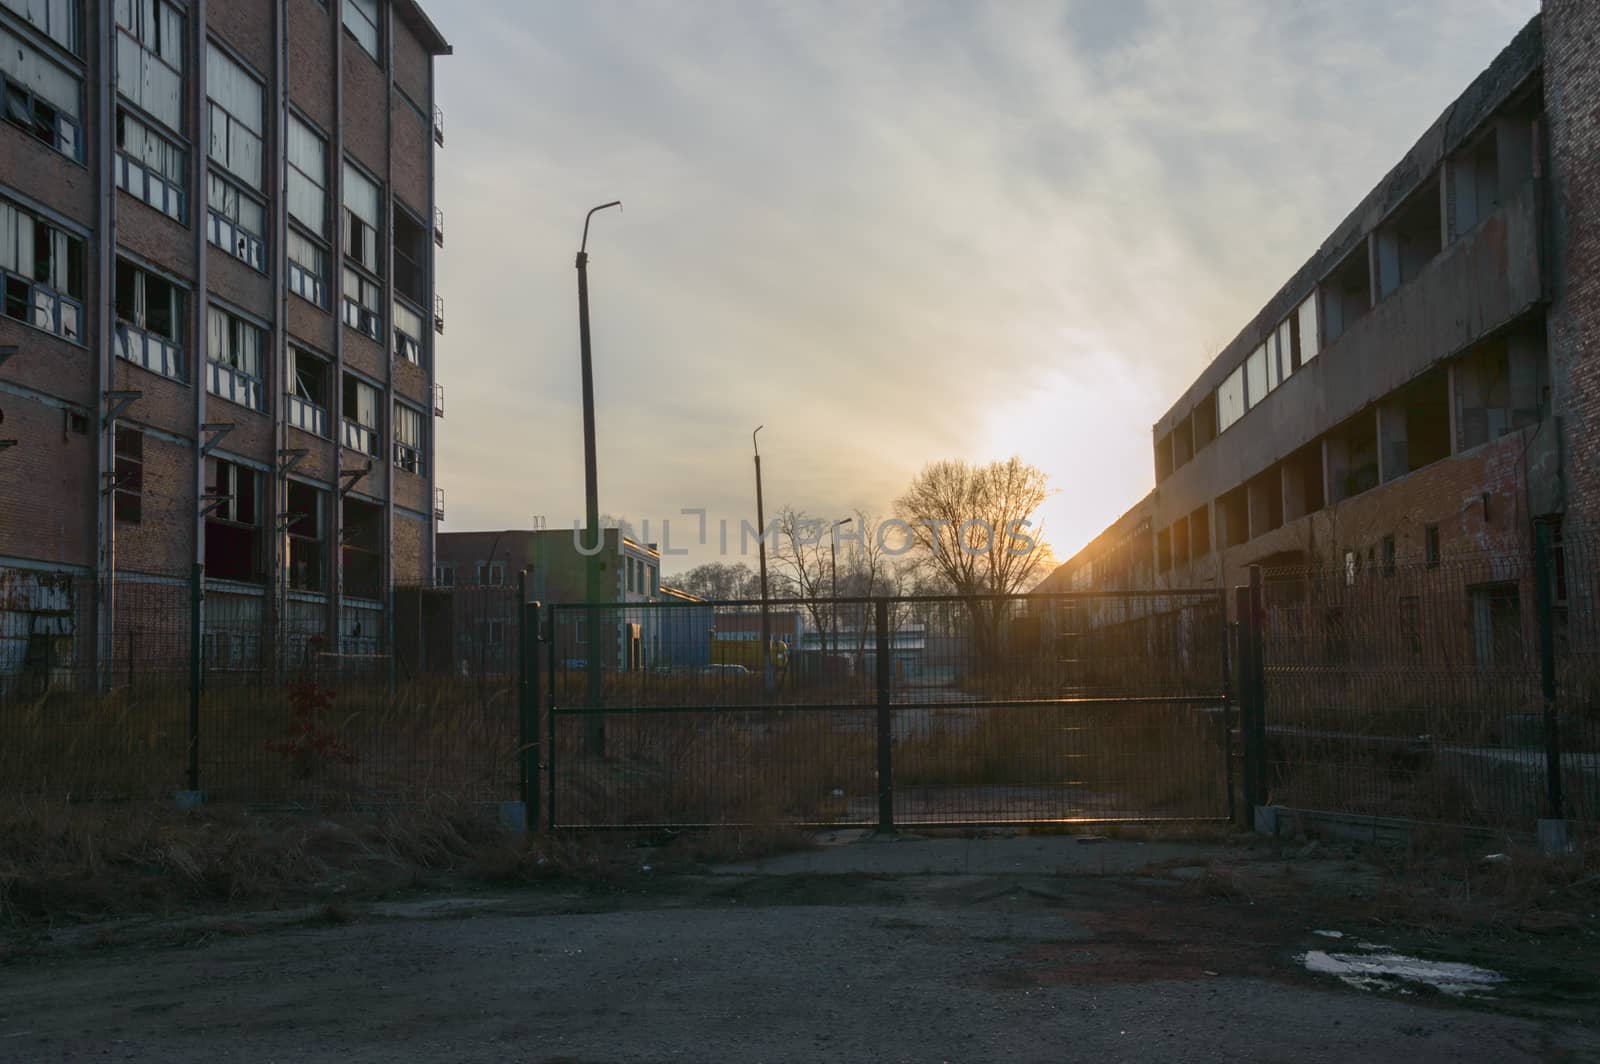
(595, 728)
(833, 607)
(761, 543)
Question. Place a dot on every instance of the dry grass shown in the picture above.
(429, 737)
(60, 861)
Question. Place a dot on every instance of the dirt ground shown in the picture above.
(981, 948)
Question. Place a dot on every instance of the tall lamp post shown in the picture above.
(761, 542)
(595, 729)
(833, 607)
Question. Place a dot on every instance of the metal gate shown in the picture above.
(994, 710)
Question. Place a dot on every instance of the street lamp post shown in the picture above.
(594, 732)
(833, 607)
(761, 543)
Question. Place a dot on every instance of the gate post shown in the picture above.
(527, 704)
(196, 594)
(1252, 695)
(885, 671)
(1544, 578)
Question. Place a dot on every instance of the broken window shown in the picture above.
(149, 166)
(1500, 386)
(1352, 451)
(129, 476)
(1230, 399)
(363, 225)
(1180, 541)
(408, 454)
(1410, 239)
(1205, 421)
(233, 355)
(41, 270)
(1200, 532)
(1164, 457)
(1183, 443)
(491, 574)
(360, 416)
(1474, 191)
(308, 268)
(407, 333)
(1302, 482)
(1233, 518)
(1163, 550)
(1430, 540)
(307, 401)
(362, 548)
(410, 257)
(1346, 294)
(149, 320)
(1389, 556)
(1264, 495)
(233, 526)
(1414, 425)
(40, 98)
(307, 520)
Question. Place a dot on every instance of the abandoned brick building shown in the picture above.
(217, 347)
(1428, 383)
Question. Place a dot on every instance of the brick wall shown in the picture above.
(45, 484)
(1572, 105)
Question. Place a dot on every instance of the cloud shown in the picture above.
(892, 232)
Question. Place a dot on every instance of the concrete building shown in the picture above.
(217, 239)
(630, 572)
(1428, 382)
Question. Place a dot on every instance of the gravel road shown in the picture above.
(1019, 955)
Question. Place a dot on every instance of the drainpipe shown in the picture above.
(199, 217)
(277, 576)
(105, 455)
(336, 305)
(386, 418)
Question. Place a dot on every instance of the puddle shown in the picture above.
(1379, 971)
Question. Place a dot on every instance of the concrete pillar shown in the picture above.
(1394, 459)
(1455, 417)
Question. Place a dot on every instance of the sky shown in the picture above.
(890, 232)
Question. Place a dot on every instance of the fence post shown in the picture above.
(196, 592)
(1258, 695)
(1543, 577)
(550, 719)
(528, 703)
(1241, 643)
(885, 670)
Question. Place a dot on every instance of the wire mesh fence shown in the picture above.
(1460, 690)
(928, 710)
(105, 694)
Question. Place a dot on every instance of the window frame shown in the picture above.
(410, 457)
(374, 23)
(58, 119)
(317, 537)
(41, 294)
(363, 312)
(128, 476)
(73, 12)
(355, 433)
(225, 377)
(168, 351)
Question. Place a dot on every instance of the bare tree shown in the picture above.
(719, 580)
(971, 527)
(802, 555)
